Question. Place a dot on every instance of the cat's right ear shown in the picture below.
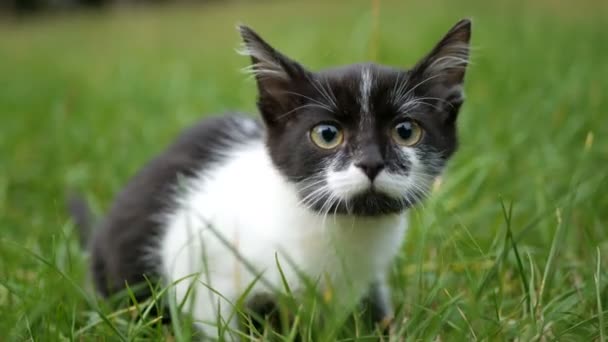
(275, 74)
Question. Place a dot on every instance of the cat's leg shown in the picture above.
(263, 310)
(378, 306)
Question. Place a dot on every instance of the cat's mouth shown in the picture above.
(369, 202)
(352, 192)
(376, 189)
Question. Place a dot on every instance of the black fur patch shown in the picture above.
(121, 246)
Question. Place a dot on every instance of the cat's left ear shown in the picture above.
(441, 73)
(275, 73)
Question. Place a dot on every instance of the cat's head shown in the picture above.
(362, 139)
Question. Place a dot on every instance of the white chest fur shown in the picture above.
(243, 209)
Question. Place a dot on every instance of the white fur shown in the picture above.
(348, 182)
(352, 180)
(247, 203)
(366, 88)
(411, 187)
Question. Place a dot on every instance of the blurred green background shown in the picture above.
(87, 95)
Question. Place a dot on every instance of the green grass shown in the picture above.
(513, 245)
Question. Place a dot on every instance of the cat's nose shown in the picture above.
(371, 169)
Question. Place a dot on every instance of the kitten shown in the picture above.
(322, 183)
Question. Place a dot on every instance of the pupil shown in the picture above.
(405, 131)
(328, 134)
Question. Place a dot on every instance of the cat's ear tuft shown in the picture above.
(442, 71)
(275, 73)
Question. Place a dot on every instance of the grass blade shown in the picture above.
(600, 316)
(508, 214)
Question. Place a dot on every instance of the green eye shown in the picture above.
(407, 133)
(326, 136)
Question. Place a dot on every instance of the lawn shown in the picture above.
(513, 244)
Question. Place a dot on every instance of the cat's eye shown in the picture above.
(407, 133)
(326, 136)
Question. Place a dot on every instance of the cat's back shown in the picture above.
(121, 246)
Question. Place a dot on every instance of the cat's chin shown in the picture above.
(369, 203)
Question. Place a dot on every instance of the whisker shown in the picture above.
(337, 205)
(420, 101)
(321, 89)
(314, 197)
(326, 208)
(398, 93)
(309, 185)
(314, 105)
(409, 92)
(324, 105)
(322, 92)
(331, 92)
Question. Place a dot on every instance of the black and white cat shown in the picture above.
(323, 182)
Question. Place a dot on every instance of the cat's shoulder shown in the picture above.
(218, 131)
(208, 140)
(204, 143)
(196, 149)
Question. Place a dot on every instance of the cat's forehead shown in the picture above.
(363, 88)
(351, 76)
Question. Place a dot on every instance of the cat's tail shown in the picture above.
(82, 216)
